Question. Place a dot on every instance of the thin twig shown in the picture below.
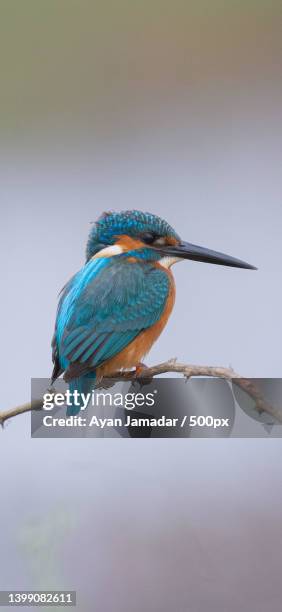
(171, 366)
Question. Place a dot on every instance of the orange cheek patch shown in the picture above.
(171, 241)
(128, 244)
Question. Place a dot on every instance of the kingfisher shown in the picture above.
(114, 308)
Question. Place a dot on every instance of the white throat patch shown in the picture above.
(167, 261)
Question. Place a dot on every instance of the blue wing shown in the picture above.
(104, 307)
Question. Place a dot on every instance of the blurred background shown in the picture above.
(174, 108)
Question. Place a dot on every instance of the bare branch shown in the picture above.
(171, 366)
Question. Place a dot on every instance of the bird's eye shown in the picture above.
(148, 237)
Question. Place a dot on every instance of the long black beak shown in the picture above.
(185, 250)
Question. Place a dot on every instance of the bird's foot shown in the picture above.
(141, 373)
(140, 370)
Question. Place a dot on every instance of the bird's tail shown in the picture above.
(84, 384)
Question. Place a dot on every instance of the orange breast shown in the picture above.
(133, 354)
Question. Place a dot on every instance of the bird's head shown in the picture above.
(148, 237)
